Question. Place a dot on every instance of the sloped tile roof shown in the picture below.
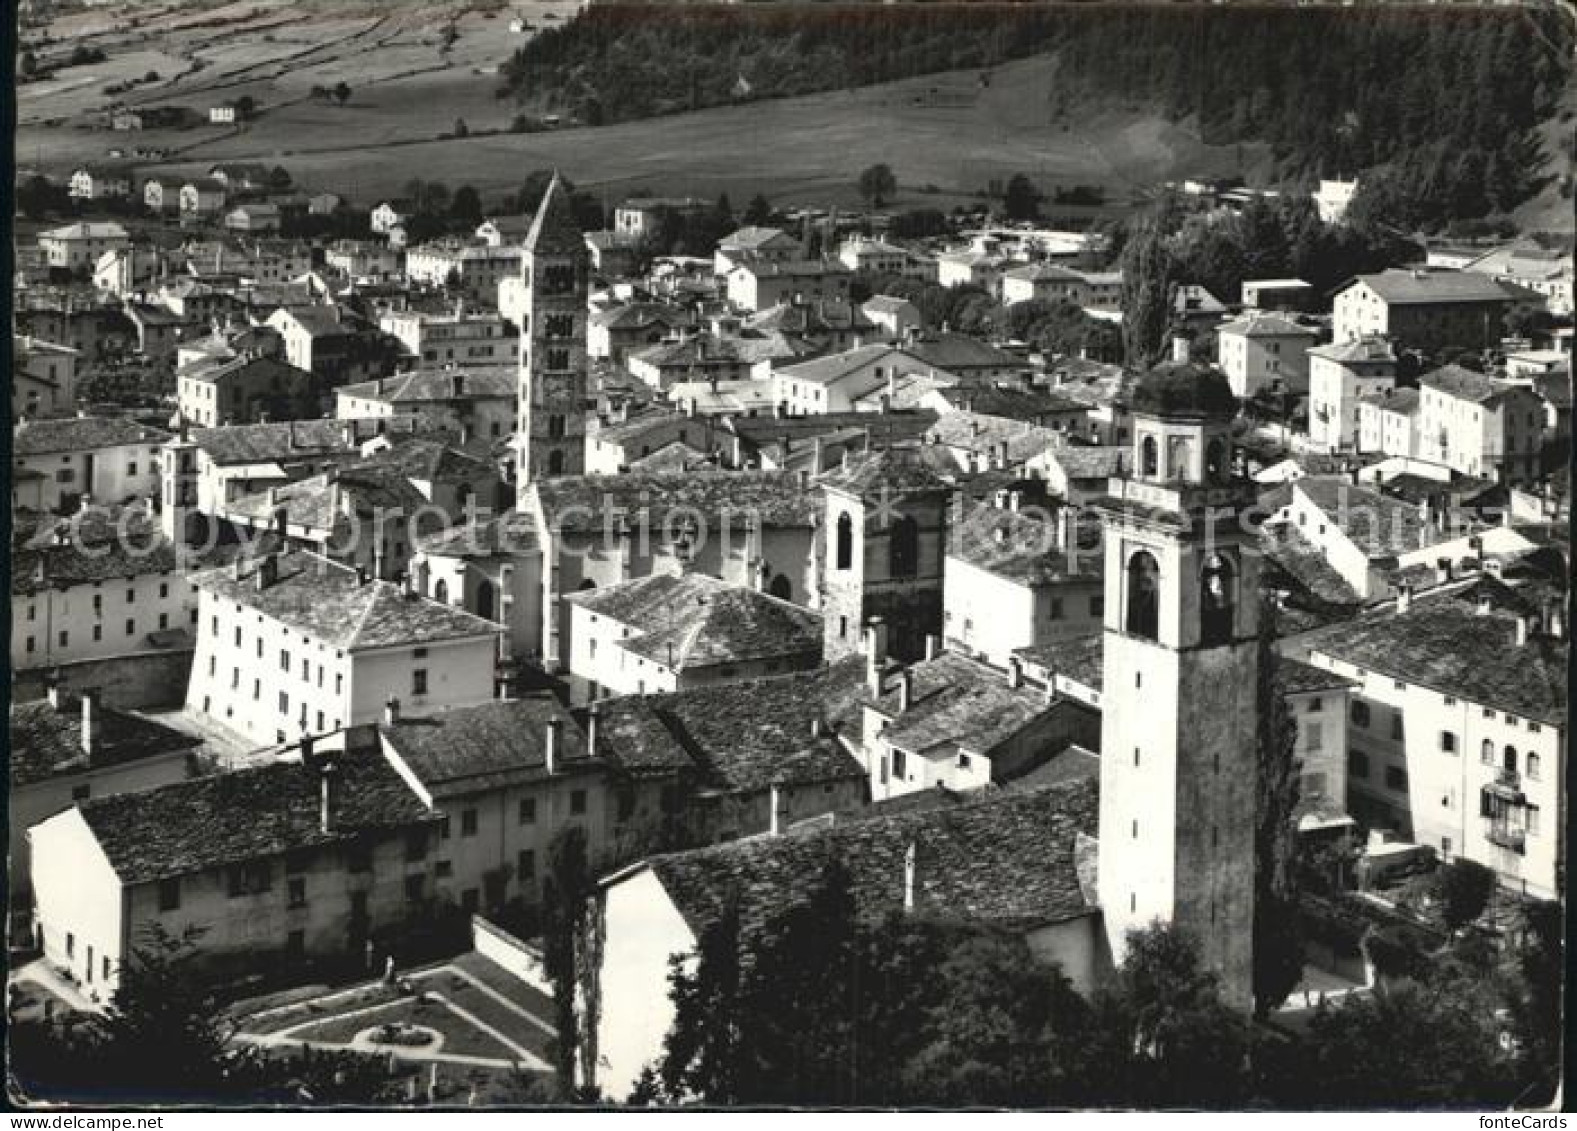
(774, 498)
(47, 742)
(248, 815)
(695, 621)
(438, 386)
(958, 702)
(507, 535)
(1465, 384)
(490, 746)
(1023, 548)
(1078, 658)
(328, 602)
(887, 471)
(1403, 287)
(1445, 644)
(1007, 860)
(81, 433)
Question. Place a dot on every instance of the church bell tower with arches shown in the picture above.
(1179, 711)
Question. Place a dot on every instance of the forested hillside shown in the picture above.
(1440, 103)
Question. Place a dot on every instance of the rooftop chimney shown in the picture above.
(90, 720)
(550, 747)
(267, 571)
(905, 690)
(817, 728)
(908, 878)
(933, 646)
(1522, 629)
(391, 711)
(52, 689)
(875, 655)
(328, 796)
(1404, 598)
(1179, 349)
(592, 721)
(1015, 672)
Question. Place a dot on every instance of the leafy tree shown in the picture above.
(341, 92)
(1463, 887)
(1536, 999)
(567, 886)
(919, 223)
(1021, 200)
(466, 205)
(877, 185)
(1150, 274)
(28, 63)
(1403, 1045)
(1278, 937)
(758, 212)
(279, 178)
(461, 129)
(245, 106)
(532, 190)
(1163, 1034)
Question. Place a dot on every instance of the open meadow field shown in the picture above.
(944, 136)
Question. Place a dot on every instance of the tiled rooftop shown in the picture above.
(695, 621)
(81, 433)
(1007, 860)
(491, 746)
(582, 503)
(328, 602)
(46, 742)
(248, 815)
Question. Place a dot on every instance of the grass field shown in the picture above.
(805, 149)
(945, 131)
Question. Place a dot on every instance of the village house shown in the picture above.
(1545, 271)
(730, 524)
(617, 445)
(1077, 473)
(222, 113)
(1340, 375)
(1042, 282)
(66, 750)
(674, 633)
(1458, 726)
(1427, 310)
(897, 318)
(243, 176)
(77, 247)
(361, 259)
(873, 257)
(457, 338)
(255, 219)
(759, 283)
(386, 216)
(334, 643)
(613, 332)
(272, 867)
(473, 403)
(332, 347)
(641, 217)
(250, 389)
(1018, 859)
(1264, 353)
(1388, 422)
(491, 566)
(108, 459)
(475, 271)
(769, 245)
(734, 759)
(504, 778)
(43, 379)
(973, 266)
(836, 382)
(703, 356)
(161, 194)
(202, 198)
(1012, 580)
(90, 182)
(105, 586)
(1481, 426)
(967, 358)
(980, 442)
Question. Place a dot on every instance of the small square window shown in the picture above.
(468, 822)
(528, 810)
(419, 681)
(298, 892)
(170, 894)
(577, 801)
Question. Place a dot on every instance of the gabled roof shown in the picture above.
(328, 602)
(583, 503)
(81, 433)
(834, 367)
(555, 231)
(695, 621)
(753, 239)
(1257, 324)
(1400, 286)
(319, 502)
(1401, 400)
(1444, 643)
(507, 535)
(46, 741)
(641, 315)
(243, 368)
(958, 703)
(982, 432)
(467, 750)
(1008, 860)
(1024, 549)
(959, 352)
(887, 471)
(1466, 385)
(247, 815)
(86, 230)
(1377, 524)
(740, 736)
(1369, 348)
(437, 386)
(887, 304)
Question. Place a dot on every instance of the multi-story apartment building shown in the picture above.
(1458, 727)
(1340, 375)
(1428, 310)
(454, 339)
(295, 643)
(1481, 426)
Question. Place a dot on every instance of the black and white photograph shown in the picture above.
(835, 555)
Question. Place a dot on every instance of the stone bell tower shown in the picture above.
(550, 433)
(1181, 658)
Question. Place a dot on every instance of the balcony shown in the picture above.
(1514, 839)
(1509, 779)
